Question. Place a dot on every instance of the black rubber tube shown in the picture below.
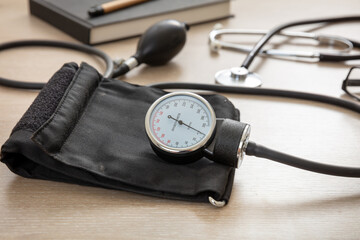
(47, 43)
(263, 152)
(262, 92)
(123, 69)
(337, 58)
(254, 149)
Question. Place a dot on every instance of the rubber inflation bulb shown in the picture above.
(161, 42)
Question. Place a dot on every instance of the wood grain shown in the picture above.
(269, 201)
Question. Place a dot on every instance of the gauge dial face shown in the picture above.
(180, 122)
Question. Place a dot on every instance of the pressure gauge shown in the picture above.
(182, 128)
(179, 125)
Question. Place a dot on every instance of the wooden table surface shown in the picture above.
(269, 200)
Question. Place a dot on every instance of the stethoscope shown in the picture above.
(236, 76)
(240, 76)
(158, 45)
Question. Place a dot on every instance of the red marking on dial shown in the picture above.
(157, 130)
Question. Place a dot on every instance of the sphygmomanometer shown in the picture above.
(93, 130)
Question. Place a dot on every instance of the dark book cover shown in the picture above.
(71, 16)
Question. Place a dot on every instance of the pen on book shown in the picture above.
(115, 5)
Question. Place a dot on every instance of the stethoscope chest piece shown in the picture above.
(239, 77)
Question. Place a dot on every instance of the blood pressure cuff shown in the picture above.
(89, 130)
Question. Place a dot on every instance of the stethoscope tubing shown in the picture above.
(216, 43)
(261, 43)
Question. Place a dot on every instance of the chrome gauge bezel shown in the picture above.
(179, 151)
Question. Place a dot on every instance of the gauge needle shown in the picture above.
(182, 123)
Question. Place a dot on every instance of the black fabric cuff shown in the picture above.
(88, 130)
